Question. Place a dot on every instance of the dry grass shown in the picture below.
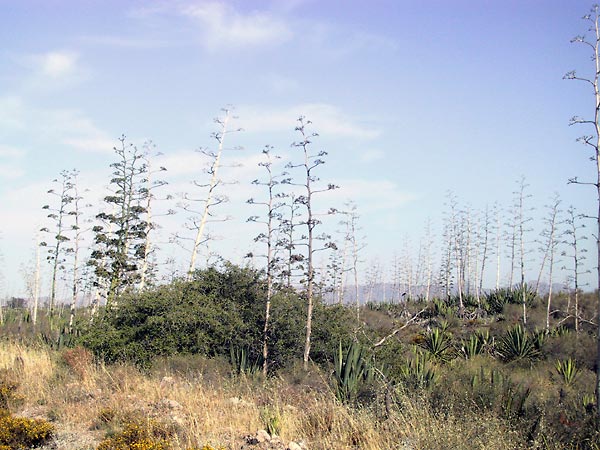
(86, 401)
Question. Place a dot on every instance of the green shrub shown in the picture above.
(221, 310)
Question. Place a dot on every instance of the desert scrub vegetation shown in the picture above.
(18, 432)
(182, 362)
(119, 406)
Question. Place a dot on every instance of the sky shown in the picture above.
(410, 99)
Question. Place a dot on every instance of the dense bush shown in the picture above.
(220, 309)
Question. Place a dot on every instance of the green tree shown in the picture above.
(121, 236)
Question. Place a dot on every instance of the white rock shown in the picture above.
(167, 382)
(262, 436)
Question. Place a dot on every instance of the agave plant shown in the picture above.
(441, 308)
(438, 343)
(474, 346)
(514, 397)
(351, 369)
(517, 344)
(495, 300)
(502, 392)
(588, 401)
(418, 372)
(241, 363)
(567, 370)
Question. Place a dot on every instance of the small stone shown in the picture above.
(262, 436)
(167, 382)
(170, 404)
(293, 446)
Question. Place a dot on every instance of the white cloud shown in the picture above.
(98, 144)
(371, 155)
(10, 171)
(75, 129)
(371, 195)
(10, 152)
(65, 126)
(9, 168)
(222, 26)
(327, 120)
(125, 42)
(51, 71)
(57, 64)
(12, 110)
(280, 84)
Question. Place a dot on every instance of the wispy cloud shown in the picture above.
(75, 129)
(371, 195)
(51, 70)
(371, 155)
(12, 112)
(222, 26)
(125, 42)
(57, 64)
(10, 152)
(279, 84)
(10, 171)
(69, 127)
(327, 119)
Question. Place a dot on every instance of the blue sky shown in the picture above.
(410, 98)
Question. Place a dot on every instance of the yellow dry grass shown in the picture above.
(87, 400)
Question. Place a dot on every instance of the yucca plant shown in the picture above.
(441, 308)
(567, 370)
(517, 344)
(514, 397)
(241, 363)
(351, 369)
(495, 378)
(438, 343)
(418, 372)
(559, 331)
(539, 338)
(271, 418)
(588, 401)
(472, 347)
(495, 300)
(496, 390)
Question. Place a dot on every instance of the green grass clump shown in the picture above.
(20, 432)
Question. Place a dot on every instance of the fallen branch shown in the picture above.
(581, 319)
(396, 331)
